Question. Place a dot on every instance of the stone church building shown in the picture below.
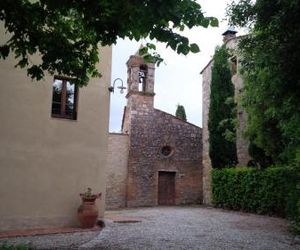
(157, 159)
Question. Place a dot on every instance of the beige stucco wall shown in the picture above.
(46, 162)
(116, 170)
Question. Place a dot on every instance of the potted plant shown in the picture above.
(88, 211)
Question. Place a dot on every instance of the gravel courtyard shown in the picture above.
(176, 228)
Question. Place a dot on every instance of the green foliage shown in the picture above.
(14, 247)
(222, 113)
(261, 160)
(66, 34)
(275, 190)
(180, 112)
(270, 64)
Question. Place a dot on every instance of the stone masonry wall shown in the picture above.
(151, 129)
(206, 76)
(241, 142)
(116, 171)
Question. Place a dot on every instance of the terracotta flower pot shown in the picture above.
(88, 211)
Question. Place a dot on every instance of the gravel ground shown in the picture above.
(53, 241)
(177, 228)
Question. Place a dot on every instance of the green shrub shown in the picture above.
(275, 190)
(6, 246)
(293, 200)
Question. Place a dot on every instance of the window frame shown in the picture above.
(63, 99)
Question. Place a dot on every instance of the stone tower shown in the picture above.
(136, 119)
(230, 33)
(231, 42)
(140, 86)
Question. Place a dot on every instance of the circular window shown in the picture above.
(166, 151)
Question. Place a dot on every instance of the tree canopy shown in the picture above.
(222, 113)
(271, 69)
(67, 33)
(180, 112)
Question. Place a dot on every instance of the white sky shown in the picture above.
(179, 79)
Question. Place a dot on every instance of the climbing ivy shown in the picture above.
(270, 64)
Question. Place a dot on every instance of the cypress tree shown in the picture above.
(222, 113)
(180, 112)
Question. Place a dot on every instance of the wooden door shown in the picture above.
(166, 188)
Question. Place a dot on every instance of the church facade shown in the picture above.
(157, 159)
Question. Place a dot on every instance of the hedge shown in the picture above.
(5, 246)
(275, 190)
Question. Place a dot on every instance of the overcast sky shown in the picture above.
(178, 80)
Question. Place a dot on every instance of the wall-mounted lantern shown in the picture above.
(121, 87)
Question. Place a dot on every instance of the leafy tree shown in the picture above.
(180, 112)
(66, 33)
(271, 68)
(222, 113)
